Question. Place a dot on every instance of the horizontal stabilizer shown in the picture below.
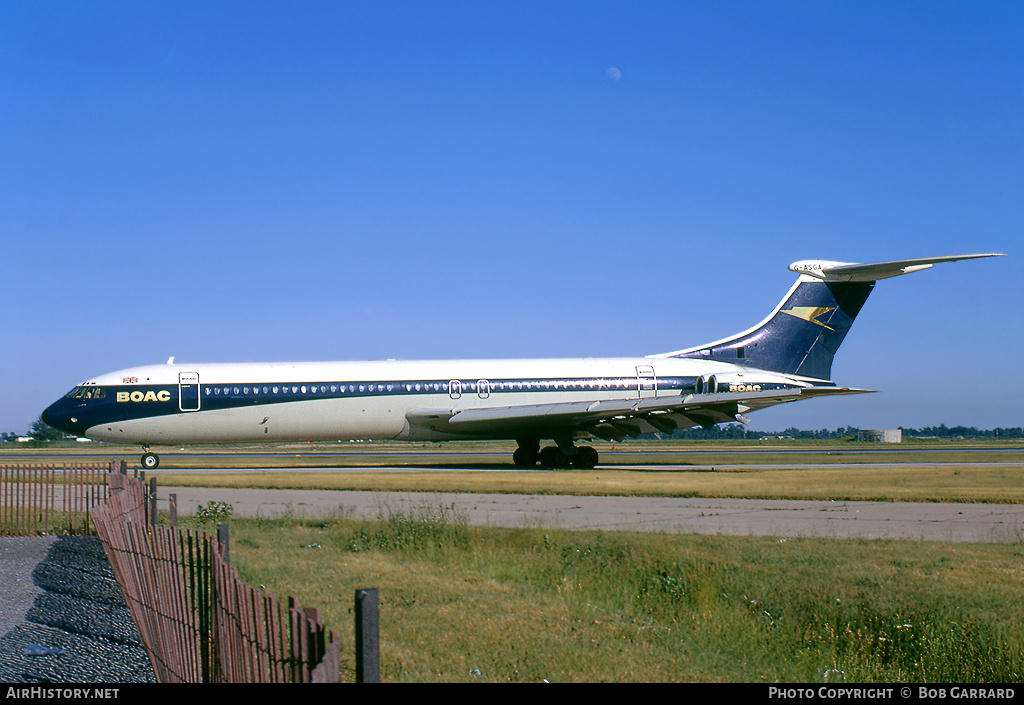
(846, 272)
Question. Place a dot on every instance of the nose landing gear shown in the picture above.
(150, 461)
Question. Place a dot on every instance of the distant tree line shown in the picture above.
(735, 431)
(39, 431)
(943, 431)
(740, 432)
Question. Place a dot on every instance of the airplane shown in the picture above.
(787, 357)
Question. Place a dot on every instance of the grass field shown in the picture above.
(463, 603)
(962, 484)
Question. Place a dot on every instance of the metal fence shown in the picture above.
(38, 499)
(198, 621)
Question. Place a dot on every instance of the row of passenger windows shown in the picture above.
(322, 389)
(452, 387)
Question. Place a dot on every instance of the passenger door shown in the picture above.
(188, 391)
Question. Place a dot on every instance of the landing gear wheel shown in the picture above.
(150, 461)
(560, 460)
(552, 457)
(524, 458)
(585, 459)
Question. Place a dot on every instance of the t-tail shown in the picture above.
(803, 333)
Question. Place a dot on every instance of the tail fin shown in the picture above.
(803, 333)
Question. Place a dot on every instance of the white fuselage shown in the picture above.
(365, 400)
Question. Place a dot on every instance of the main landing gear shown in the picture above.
(561, 456)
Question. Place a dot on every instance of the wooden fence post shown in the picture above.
(222, 539)
(367, 636)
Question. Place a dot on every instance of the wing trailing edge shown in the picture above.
(615, 419)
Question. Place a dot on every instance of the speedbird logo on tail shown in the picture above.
(811, 314)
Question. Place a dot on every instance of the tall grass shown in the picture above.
(462, 603)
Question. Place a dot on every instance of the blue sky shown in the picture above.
(333, 181)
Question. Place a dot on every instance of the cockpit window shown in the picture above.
(88, 392)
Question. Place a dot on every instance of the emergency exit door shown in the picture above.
(646, 381)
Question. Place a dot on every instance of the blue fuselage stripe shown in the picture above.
(139, 401)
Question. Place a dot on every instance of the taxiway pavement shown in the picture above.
(973, 523)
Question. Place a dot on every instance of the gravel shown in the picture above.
(62, 615)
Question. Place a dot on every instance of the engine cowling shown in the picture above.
(742, 383)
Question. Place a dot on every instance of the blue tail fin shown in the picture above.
(803, 333)
(801, 336)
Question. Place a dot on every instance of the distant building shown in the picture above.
(894, 435)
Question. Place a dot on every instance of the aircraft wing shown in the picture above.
(615, 419)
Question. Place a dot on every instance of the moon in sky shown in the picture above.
(614, 74)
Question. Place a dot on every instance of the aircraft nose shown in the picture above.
(56, 417)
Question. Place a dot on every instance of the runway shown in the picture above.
(970, 523)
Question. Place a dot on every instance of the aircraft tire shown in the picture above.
(524, 458)
(150, 461)
(553, 457)
(586, 459)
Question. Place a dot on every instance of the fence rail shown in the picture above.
(37, 499)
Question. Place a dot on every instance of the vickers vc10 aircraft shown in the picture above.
(787, 357)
